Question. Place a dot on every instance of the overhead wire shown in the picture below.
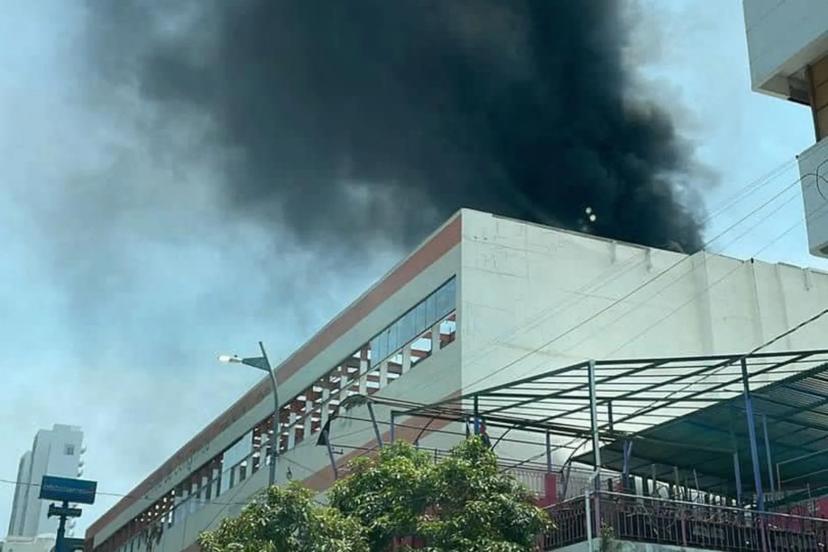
(615, 274)
(630, 293)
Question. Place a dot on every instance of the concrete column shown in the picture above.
(406, 361)
(194, 496)
(435, 338)
(181, 511)
(203, 487)
(216, 486)
(326, 395)
(308, 424)
(363, 378)
(292, 431)
(343, 380)
(383, 374)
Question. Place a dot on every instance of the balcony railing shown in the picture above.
(624, 517)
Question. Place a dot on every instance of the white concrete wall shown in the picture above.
(813, 168)
(783, 36)
(524, 285)
(28, 544)
(20, 493)
(536, 292)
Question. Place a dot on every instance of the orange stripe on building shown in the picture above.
(438, 245)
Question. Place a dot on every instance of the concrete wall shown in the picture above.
(28, 544)
(542, 292)
(536, 298)
(813, 168)
(783, 36)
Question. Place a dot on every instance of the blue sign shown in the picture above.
(68, 489)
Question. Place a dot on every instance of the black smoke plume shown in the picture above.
(347, 121)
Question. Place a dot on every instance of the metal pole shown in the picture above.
(277, 430)
(737, 468)
(609, 416)
(331, 453)
(754, 452)
(593, 409)
(778, 478)
(625, 467)
(588, 521)
(548, 452)
(61, 532)
(392, 426)
(476, 417)
(374, 423)
(768, 453)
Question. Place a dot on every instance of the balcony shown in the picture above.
(603, 518)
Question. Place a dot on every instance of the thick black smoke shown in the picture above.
(353, 120)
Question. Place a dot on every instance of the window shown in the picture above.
(414, 322)
(69, 450)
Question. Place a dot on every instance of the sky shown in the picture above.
(123, 276)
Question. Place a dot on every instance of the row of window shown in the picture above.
(301, 417)
(414, 322)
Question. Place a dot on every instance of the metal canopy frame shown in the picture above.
(791, 416)
(621, 401)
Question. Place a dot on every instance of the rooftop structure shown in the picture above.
(482, 302)
(721, 452)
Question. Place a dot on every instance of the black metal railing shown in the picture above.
(625, 517)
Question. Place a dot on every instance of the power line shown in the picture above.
(632, 292)
(616, 274)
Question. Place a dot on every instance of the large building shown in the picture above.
(55, 451)
(788, 50)
(483, 301)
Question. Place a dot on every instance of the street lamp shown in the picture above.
(262, 363)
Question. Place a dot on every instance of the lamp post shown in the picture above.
(262, 363)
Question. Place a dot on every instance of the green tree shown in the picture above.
(286, 520)
(462, 503)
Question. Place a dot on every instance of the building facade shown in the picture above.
(484, 300)
(56, 451)
(788, 51)
(44, 543)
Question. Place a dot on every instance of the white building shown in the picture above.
(484, 300)
(788, 50)
(55, 451)
(43, 543)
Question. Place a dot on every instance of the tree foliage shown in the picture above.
(286, 520)
(461, 503)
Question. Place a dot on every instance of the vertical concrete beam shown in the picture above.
(435, 338)
(308, 425)
(291, 430)
(363, 377)
(383, 374)
(406, 360)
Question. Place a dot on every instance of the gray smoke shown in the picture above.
(350, 122)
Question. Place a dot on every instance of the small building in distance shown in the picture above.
(57, 451)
